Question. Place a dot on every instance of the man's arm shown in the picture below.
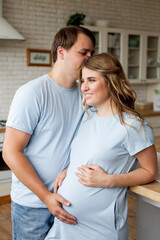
(14, 144)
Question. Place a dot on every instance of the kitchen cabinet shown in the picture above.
(99, 36)
(5, 188)
(147, 210)
(134, 56)
(138, 51)
(148, 206)
(5, 172)
(153, 54)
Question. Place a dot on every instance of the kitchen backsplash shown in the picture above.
(39, 20)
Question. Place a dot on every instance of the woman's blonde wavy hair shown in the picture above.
(122, 95)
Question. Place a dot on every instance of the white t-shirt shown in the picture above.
(51, 114)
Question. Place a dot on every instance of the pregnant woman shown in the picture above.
(104, 153)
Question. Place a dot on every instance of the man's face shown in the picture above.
(77, 54)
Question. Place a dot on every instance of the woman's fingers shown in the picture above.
(59, 180)
(82, 177)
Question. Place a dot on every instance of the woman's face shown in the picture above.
(94, 88)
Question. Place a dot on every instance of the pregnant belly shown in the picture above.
(86, 202)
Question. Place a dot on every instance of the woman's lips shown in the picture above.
(88, 95)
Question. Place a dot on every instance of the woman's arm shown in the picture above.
(59, 179)
(95, 176)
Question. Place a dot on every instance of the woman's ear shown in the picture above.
(60, 52)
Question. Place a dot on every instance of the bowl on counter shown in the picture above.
(102, 23)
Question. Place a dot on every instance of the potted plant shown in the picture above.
(76, 19)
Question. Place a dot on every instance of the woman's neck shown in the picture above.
(106, 110)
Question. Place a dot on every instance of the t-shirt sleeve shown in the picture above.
(139, 139)
(24, 111)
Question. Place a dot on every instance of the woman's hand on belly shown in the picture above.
(93, 176)
(59, 180)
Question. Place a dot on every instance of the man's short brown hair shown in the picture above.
(67, 37)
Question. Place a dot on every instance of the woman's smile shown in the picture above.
(94, 88)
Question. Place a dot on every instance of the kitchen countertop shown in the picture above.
(148, 113)
(2, 129)
(150, 191)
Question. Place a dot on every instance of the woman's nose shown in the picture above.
(84, 86)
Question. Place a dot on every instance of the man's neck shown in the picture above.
(61, 78)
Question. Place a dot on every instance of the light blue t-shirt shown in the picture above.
(51, 114)
(101, 212)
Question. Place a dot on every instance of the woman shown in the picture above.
(105, 151)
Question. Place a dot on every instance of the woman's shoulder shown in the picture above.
(134, 122)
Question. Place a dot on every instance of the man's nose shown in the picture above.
(89, 54)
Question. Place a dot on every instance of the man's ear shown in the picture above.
(60, 52)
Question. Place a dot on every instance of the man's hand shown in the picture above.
(59, 180)
(54, 203)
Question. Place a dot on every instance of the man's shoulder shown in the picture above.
(40, 81)
(34, 85)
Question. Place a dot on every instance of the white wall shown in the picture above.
(39, 20)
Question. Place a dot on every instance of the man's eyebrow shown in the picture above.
(86, 49)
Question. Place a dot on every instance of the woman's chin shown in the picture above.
(90, 103)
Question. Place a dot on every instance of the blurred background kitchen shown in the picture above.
(37, 21)
(128, 29)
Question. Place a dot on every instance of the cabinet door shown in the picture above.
(98, 33)
(114, 44)
(97, 37)
(134, 56)
(152, 58)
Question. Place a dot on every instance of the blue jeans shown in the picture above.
(30, 223)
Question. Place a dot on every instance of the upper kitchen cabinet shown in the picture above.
(114, 39)
(143, 52)
(138, 51)
(134, 53)
(153, 53)
(99, 36)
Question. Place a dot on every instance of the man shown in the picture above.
(41, 124)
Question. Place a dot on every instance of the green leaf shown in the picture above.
(76, 19)
(156, 91)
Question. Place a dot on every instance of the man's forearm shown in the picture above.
(24, 171)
